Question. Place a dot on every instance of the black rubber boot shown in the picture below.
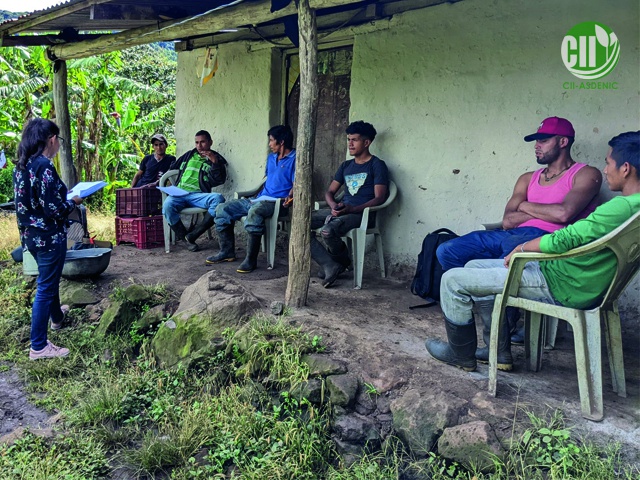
(342, 258)
(179, 230)
(203, 226)
(505, 360)
(460, 350)
(330, 267)
(251, 260)
(227, 252)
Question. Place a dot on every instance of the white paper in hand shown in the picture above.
(84, 189)
(173, 191)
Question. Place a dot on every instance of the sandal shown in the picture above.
(64, 309)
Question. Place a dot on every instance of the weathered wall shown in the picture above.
(452, 90)
(456, 87)
(237, 107)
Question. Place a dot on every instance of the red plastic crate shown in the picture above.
(138, 202)
(145, 232)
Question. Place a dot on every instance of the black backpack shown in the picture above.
(426, 281)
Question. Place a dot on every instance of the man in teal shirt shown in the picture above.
(579, 282)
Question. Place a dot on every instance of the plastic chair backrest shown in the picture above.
(624, 242)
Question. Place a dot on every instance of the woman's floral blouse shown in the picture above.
(41, 204)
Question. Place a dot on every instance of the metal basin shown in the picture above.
(89, 262)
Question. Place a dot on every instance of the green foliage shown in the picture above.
(116, 102)
(6, 183)
(274, 348)
(69, 457)
(15, 310)
(230, 416)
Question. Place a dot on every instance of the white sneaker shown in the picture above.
(50, 351)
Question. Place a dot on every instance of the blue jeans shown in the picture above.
(255, 213)
(47, 302)
(174, 205)
(484, 244)
(481, 280)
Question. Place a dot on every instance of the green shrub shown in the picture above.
(6, 183)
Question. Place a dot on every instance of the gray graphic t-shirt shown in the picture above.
(360, 179)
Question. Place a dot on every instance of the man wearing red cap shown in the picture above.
(542, 202)
(579, 282)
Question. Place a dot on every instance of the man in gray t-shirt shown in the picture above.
(366, 181)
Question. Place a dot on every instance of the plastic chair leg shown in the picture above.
(550, 332)
(359, 243)
(380, 251)
(586, 334)
(270, 236)
(533, 340)
(496, 317)
(614, 349)
(167, 235)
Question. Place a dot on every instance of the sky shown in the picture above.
(27, 5)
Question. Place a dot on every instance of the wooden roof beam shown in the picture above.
(36, 40)
(244, 13)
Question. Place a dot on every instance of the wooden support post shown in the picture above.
(61, 105)
(299, 252)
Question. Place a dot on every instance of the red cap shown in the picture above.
(551, 127)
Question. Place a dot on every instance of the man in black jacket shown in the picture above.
(201, 169)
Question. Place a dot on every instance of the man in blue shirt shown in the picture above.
(280, 172)
(366, 181)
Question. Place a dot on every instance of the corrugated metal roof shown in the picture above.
(101, 15)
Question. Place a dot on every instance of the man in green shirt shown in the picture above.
(579, 282)
(200, 170)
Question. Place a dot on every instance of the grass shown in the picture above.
(229, 416)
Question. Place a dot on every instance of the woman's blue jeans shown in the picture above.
(47, 302)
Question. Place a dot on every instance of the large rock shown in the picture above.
(323, 365)
(150, 318)
(473, 445)
(356, 428)
(342, 389)
(206, 308)
(420, 418)
(117, 318)
(77, 294)
(136, 294)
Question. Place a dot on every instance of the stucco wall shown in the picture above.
(449, 88)
(456, 87)
(237, 107)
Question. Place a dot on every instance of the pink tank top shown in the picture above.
(555, 193)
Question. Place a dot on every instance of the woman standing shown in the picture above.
(42, 209)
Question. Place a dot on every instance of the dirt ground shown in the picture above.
(380, 339)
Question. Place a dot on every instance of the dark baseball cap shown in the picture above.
(550, 127)
(160, 137)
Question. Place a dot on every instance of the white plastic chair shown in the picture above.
(272, 224)
(624, 242)
(167, 179)
(358, 236)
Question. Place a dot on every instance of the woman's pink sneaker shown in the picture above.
(50, 351)
(64, 309)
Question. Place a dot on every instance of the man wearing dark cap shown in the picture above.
(579, 282)
(560, 193)
(543, 201)
(155, 165)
